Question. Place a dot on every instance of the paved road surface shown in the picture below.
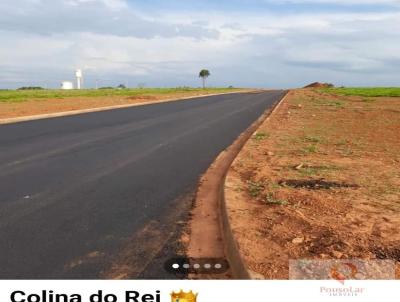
(100, 195)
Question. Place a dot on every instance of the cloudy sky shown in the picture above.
(253, 43)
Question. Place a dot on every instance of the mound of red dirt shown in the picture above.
(319, 85)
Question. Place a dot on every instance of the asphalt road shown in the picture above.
(100, 195)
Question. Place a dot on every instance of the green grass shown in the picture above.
(312, 139)
(14, 96)
(317, 170)
(329, 103)
(310, 149)
(337, 104)
(259, 136)
(255, 188)
(365, 92)
(270, 199)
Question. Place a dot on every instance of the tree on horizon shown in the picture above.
(204, 74)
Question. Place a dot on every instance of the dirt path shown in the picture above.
(319, 180)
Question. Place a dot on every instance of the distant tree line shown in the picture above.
(120, 86)
(31, 88)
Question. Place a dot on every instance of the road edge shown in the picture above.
(215, 238)
(239, 267)
(27, 118)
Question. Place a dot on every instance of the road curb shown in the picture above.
(98, 109)
(233, 254)
(211, 232)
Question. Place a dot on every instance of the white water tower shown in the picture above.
(79, 77)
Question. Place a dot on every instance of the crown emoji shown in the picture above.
(183, 297)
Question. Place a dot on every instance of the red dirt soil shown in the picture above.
(319, 180)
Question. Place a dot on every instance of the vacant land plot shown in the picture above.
(367, 92)
(320, 180)
(16, 103)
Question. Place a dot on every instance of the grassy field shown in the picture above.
(16, 96)
(366, 92)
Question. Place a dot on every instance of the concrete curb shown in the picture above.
(211, 234)
(238, 265)
(75, 112)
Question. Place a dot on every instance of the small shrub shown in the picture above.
(312, 139)
(270, 199)
(255, 188)
(310, 149)
(260, 136)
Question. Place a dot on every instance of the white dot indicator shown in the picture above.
(207, 266)
(175, 265)
(186, 265)
(196, 266)
(218, 266)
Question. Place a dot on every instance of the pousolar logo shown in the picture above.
(344, 271)
(341, 271)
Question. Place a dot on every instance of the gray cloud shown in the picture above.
(48, 17)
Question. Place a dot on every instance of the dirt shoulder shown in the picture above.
(319, 180)
(40, 106)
